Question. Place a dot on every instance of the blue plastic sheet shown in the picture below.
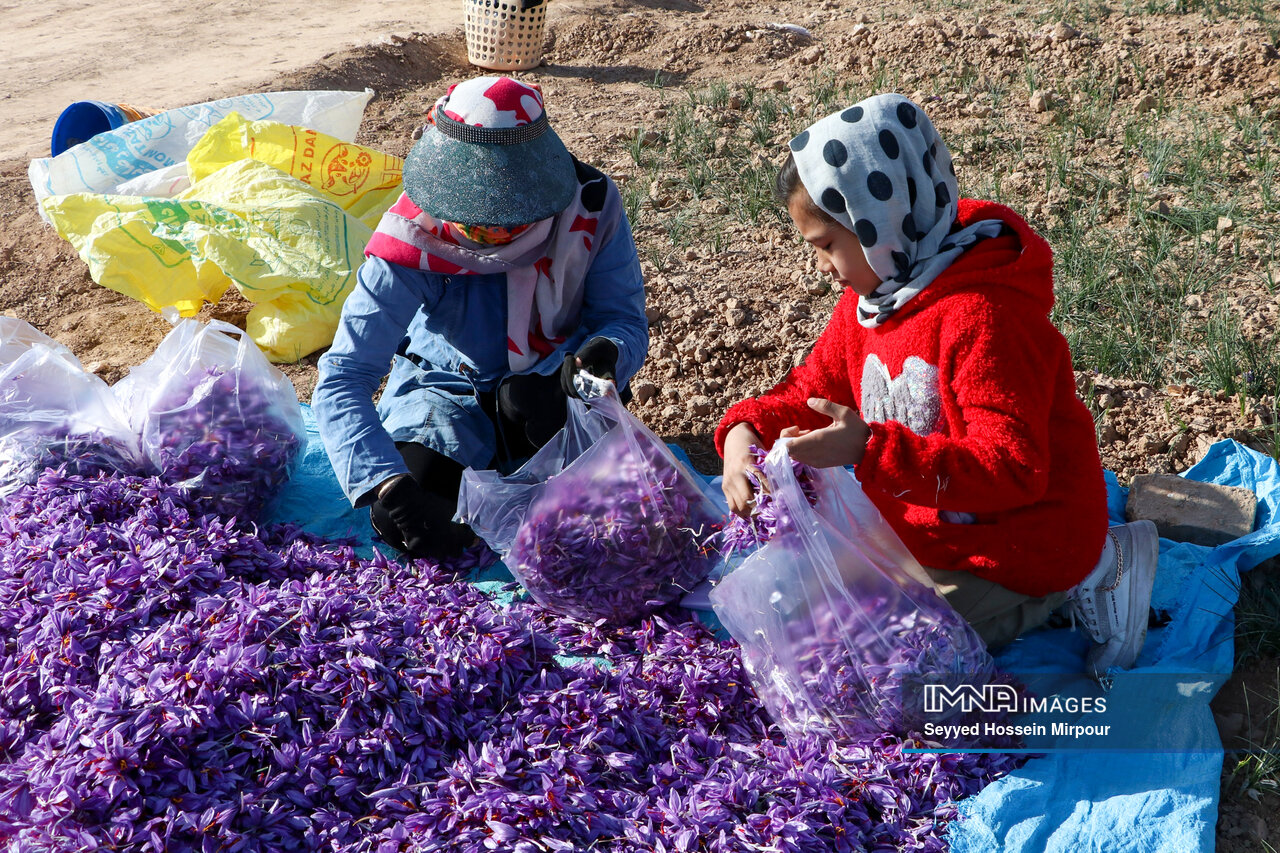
(313, 499)
(1140, 802)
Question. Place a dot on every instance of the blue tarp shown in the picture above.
(1140, 802)
(314, 499)
(1144, 802)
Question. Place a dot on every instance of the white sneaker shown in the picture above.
(1111, 604)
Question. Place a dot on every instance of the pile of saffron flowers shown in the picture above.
(171, 679)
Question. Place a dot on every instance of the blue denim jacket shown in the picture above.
(445, 338)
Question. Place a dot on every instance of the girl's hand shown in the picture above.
(737, 461)
(842, 443)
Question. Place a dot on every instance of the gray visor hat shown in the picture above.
(490, 176)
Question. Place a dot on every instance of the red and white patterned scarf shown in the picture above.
(546, 264)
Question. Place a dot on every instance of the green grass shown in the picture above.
(1258, 617)
(1124, 265)
(1256, 771)
(1080, 12)
(1123, 269)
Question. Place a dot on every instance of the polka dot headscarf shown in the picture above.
(880, 169)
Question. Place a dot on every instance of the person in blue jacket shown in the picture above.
(505, 268)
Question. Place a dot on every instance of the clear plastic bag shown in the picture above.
(55, 414)
(839, 625)
(214, 416)
(603, 522)
(18, 336)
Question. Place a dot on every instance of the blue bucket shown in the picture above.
(84, 119)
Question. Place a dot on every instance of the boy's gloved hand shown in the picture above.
(598, 356)
(423, 520)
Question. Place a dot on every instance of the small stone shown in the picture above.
(776, 85)
(1181, 443)
(671, 413)
(690, 254)
(653, 314)
(1064, 32)
(1039, 102)
(1225, 224)
(1160, 208)
(737, 101)
(816, 285)
(1194, 301)
(701, 406)
(1256, 827)
(811, 56)
(1150, 445)
(1145, 104)
(736, 317)
(1190, 511)
(650, 138)
(644, 392)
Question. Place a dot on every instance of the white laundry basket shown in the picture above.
(503, 37)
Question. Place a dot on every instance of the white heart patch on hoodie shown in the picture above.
(910, 398)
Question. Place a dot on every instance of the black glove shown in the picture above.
(598, 356)
(423, 521)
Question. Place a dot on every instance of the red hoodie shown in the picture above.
(981, 456)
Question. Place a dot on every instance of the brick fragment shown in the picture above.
(1190, 511)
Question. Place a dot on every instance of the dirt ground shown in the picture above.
(727, 319)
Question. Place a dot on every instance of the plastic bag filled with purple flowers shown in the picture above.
(215, 417)
(56, 414)
(838, 624)
(603, 522)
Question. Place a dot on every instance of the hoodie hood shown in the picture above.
(1020, 261)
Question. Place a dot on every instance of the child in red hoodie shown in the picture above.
(942, 380)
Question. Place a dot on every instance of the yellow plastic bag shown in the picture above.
(362, 181)
(283, 213)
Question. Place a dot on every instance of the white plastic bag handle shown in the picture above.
(589, 386)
